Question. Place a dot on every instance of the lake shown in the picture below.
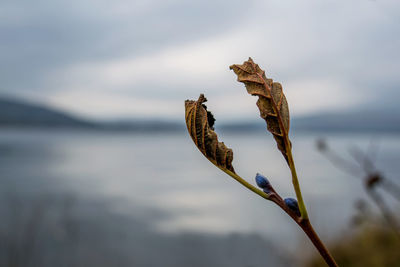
(159, 185)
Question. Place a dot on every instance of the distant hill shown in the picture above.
(363, 120)
(369, 121)
(144, 125)
(18, 113)
(15, 113)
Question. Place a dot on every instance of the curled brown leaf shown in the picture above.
(200, 124)
(271, 102)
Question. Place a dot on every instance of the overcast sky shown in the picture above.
(143, 58)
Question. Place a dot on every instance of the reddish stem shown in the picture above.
(306, 227)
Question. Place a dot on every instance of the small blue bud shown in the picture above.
(293, 205)
(262, 181)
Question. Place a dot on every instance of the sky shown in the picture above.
(141, 59)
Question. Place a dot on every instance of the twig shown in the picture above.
(372, 178)
(390, 219)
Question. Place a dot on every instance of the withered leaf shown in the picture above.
(200, 124)
(271, 101)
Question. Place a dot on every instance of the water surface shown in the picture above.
(161, 180)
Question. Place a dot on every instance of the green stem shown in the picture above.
(302, 222)
(245, 183)
(285, 134)
(295, 181)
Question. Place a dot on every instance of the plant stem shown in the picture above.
(303, 223)
(245, 183)
(288, 147)
(387, 214)
(295, 181)
(313, 236)
(307, 228)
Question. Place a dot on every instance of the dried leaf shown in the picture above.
(200, 124)
(271, 102)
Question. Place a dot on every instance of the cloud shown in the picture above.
(110, 106)
(153, 84)
(331, 95)
(40, 36)
(154, 54)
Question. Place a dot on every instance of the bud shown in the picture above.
(291, 203)
(262, 181)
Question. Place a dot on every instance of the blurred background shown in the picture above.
(97, 168)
